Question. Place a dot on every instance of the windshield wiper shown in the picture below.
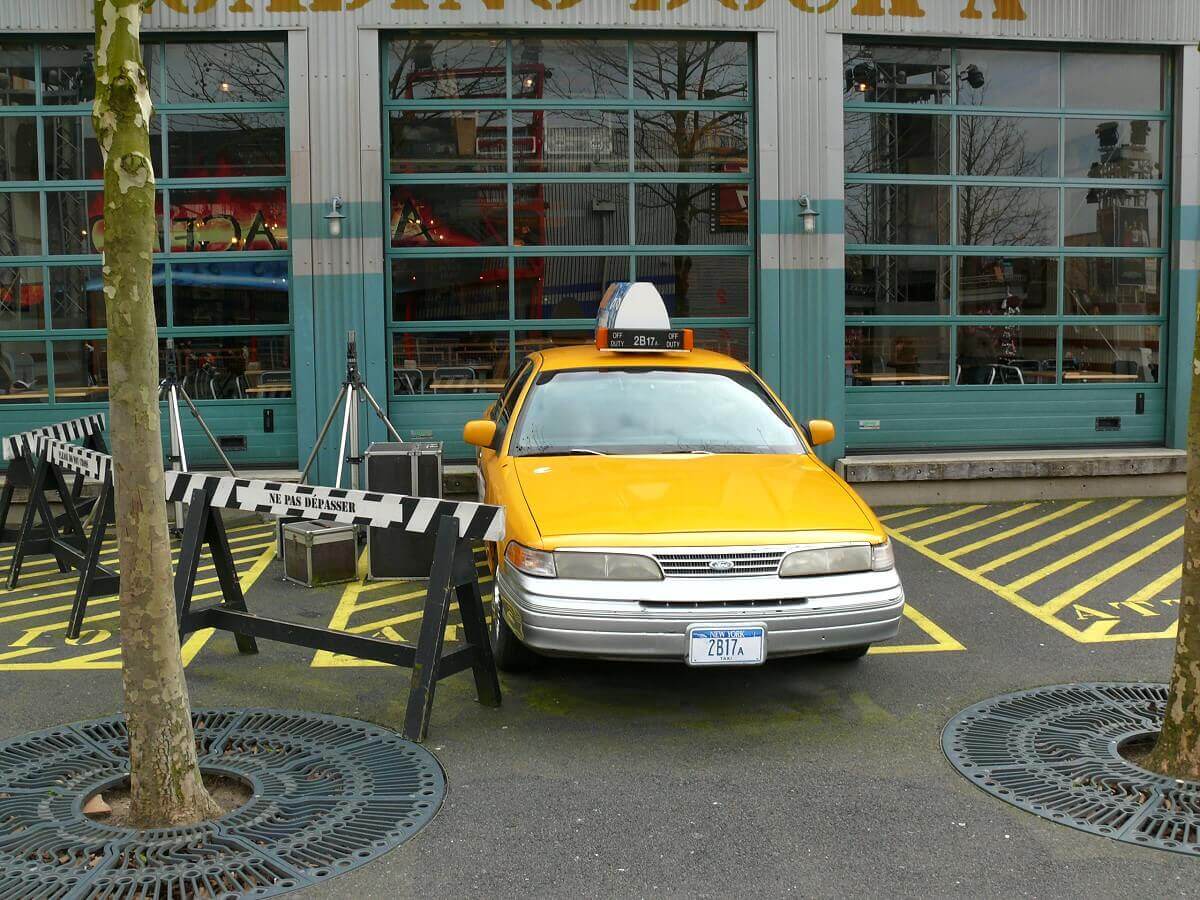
(567, 451)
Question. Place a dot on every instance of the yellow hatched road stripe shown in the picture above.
(1089, 584)
(944, 517)
(943, 640)
(963, 529)
(1056, 537)
(1158, 585)
(903, 512)
(1091, 548)
(1013, 532)
(6, 555)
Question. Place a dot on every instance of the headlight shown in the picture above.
(882, 557)
(607, 567)
(530, 561)
(826, 561)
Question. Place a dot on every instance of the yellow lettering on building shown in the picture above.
(803, 6)
(1001, 9)
(908, 8)
(286, 6)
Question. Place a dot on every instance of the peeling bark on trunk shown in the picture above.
(165, 778)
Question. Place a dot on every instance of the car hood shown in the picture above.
(773, 496)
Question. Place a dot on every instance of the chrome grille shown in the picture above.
(720, 564)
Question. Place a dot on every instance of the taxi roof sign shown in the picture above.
(633, 318)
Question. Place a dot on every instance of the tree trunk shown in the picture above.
(1177, 751)
(165, 778)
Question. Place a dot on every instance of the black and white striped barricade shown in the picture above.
(54, 458)
(457, 526)
(22, 463)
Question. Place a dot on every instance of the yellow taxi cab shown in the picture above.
(661, 503)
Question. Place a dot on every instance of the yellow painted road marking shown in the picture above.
(197, 639)
(971, 526)
(1013, 532)
(944, 517)
(1158, 585)
(942, 640)
(1056, 537)
(1089, 584)
(111, 543)
(903, 512)
(1091, 548)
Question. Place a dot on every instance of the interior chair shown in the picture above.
(408, 381)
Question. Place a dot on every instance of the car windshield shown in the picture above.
(648, 410)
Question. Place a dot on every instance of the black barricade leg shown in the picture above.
(433, 631)
(6, 496)
(470, 606)
(194, 529)
(231, 586)
(36, 505)
(104, 515)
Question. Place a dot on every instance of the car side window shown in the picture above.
(503, 409)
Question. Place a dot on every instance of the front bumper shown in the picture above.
(649, 620)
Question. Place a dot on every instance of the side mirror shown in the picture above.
(820, 431)
(481, 433)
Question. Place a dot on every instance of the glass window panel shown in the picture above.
(691, 140)
(686, 213)
(1098, 148)
(1113, 217)
(891, 355)
(68, 73)
(1110, 354)
(532, 341)
(570, 140)
(1113, 285)
(464, 288)
(22, 296)
(451, 68)
(226, 72)
(1026, 78)
(232, 368)
(452, 363)
(684, 68)
(569, 69)
(17, 87)
(565, 287)
(877, 73)
(1008, 285)
(897, 143)
(449, 215)
(225, 293)
(81, 370)
(1006, 354)
(76, 221)
(733, 342)
(897, 285)
(449, 140)
(18, 149)
(227, 145)
(216, 220)
(77, 296)
(700, 286)
(1008, 146)
(73, 153)
(996, 216)
(21, 234)
(897, 214)
(562, 214)
(1114, 80)
(23, 372)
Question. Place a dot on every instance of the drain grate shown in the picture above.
(1054, 752)
(330, 794)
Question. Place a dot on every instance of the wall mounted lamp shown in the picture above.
(335, 216)
(808, 215)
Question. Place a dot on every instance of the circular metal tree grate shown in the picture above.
(1054, 752)
(329, 794)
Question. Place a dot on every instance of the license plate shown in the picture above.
(709, 645)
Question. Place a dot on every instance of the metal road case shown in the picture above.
(413, 468)
(317, 553)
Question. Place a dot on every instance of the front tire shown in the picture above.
(510, 654)
(848, 654)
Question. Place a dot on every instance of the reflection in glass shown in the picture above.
(560, 214)
(685, 68)
(449, 215)
(225, 293)
(891, 355)
(449, 140)
(22, 297)
(1110, 354)
(1098, 148)
(227, 145)
(77, 297)
(452, 68)
(208, 220)
(1113, 286)
(73, 153)
(707, 286)
(76, 221)
(897, 143)
(1113, 217)
(468, 287)
(1008, 285)
(17, 86)
(685, 213)
(897, 214)
(570, 140)
(565, 287)
(232, 72)
(81, 370)
(897, 285)
(18, 149)
(1114, 80)
(232, 368)
(69, 75)
(21, 230)
(733, 342)
(450, 363)
(876, 73)
(1007, 77)
(569, 69)
(1010, 146)
(532, 341)
(692, 140)
(23, 372)
(994, 216)
(1006, 354)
